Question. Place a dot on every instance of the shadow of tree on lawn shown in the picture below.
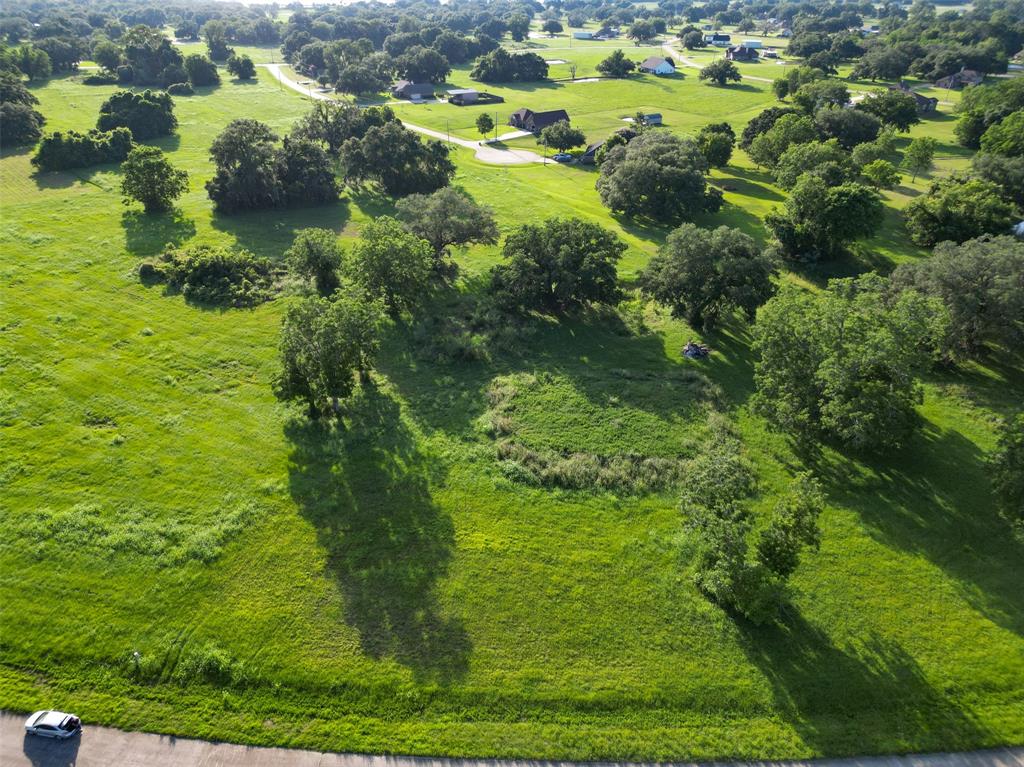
(820, 689)
(365, 486)
(146, 234)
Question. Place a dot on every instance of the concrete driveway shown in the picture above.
(106, 747)
(484, 152)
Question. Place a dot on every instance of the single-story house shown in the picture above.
(753, 44)
(407, 89)
(656, 65)
(583, 35)
(462, 96)
(741, 53)
(959, 79)
(718, 39)
(925, 104)
(535, 122)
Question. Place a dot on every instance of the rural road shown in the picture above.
(484, 152)
(102, 747)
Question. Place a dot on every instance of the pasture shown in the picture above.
(389, 585)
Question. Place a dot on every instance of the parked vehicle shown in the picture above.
(562, 157)
(53, 724)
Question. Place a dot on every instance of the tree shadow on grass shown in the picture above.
(933, 498)
(865, 699)
(269, 233)
(146, 234)
(365, 487)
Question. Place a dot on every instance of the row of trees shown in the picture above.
(22, 122)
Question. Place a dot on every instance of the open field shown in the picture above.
(390, 586)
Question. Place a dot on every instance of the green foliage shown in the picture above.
(147, 115)
(448, 217)
(551, 26)
(818, 221)
(21, 124)
(789, 129)
(716, 141)
(206, 274)
(64, 151)
(919, 155)
(893, 107)
(840, 364)
(1007, 471)
(422, 65)
(324, 345)
(882, 148)
(1005, 137)
(693, 40)
(958, 209)
(703, 274)
(398, 160)
(850, 127)
(201, 71)
(881, 174)
(30, 61)
(720, 72)
(762, 123)
(500, 66)
(657, 175)
(981, 108)
(981, 284)
(1005, 172)
(149, 55)
(246, 174)
(241, 67)
(107, 55)
(792, 527)
(820, 94)
(616, 65)
(391, 264)
(215, 35)
(824, 159)
(331, 124)
(484, 123)
(316, 255)
(561, 136)
(180, 89)
(559, 265)
(149, 178)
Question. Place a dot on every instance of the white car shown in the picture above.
(53, 724)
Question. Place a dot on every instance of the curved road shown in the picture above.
(103, 747)
(484, 152)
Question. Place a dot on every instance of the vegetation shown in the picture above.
(841, 364)
(657, 175)
(147, 115)
(211, 275)
(315, 255)
(616, 65)
(720, 72)
(427, 571)
(398, 160)
(22, 123)
(1007, 464)
(557, 266)
(703, 275)
(63, 151)
(447, 218)
(500, 66)
(150, 179)
(958, 209)
(562, 136)
(391, 264)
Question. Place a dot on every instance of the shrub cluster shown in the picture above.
(63, 151)
(213, 275)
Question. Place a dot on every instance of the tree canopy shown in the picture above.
(958, 209)
(149, 178)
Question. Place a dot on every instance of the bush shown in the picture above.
(63, 151)
(214, 275)
(147, 115)
(180, 89)
(103, 79)
(958, 209)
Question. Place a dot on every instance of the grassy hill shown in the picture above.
(392, 585)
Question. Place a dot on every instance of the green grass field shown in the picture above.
(386, 586)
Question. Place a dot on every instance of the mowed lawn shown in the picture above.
(386, 586)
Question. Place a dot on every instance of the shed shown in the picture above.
(583, 35)
(462, 96)
(753, 44)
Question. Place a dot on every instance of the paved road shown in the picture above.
(484, 152)
(105, 747)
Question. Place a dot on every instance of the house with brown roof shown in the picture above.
(741, 53)
(925, 104)
(535, 122)
(961, 79)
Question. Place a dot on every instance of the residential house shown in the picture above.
(656, 65)
(753, 44)
(718, 39)
(407, 89)
(925, 104)
(741, 53)
(535, 122)
(589, 157)
(960, 79)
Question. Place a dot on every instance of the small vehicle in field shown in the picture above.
(53, 724)
(562, 157)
